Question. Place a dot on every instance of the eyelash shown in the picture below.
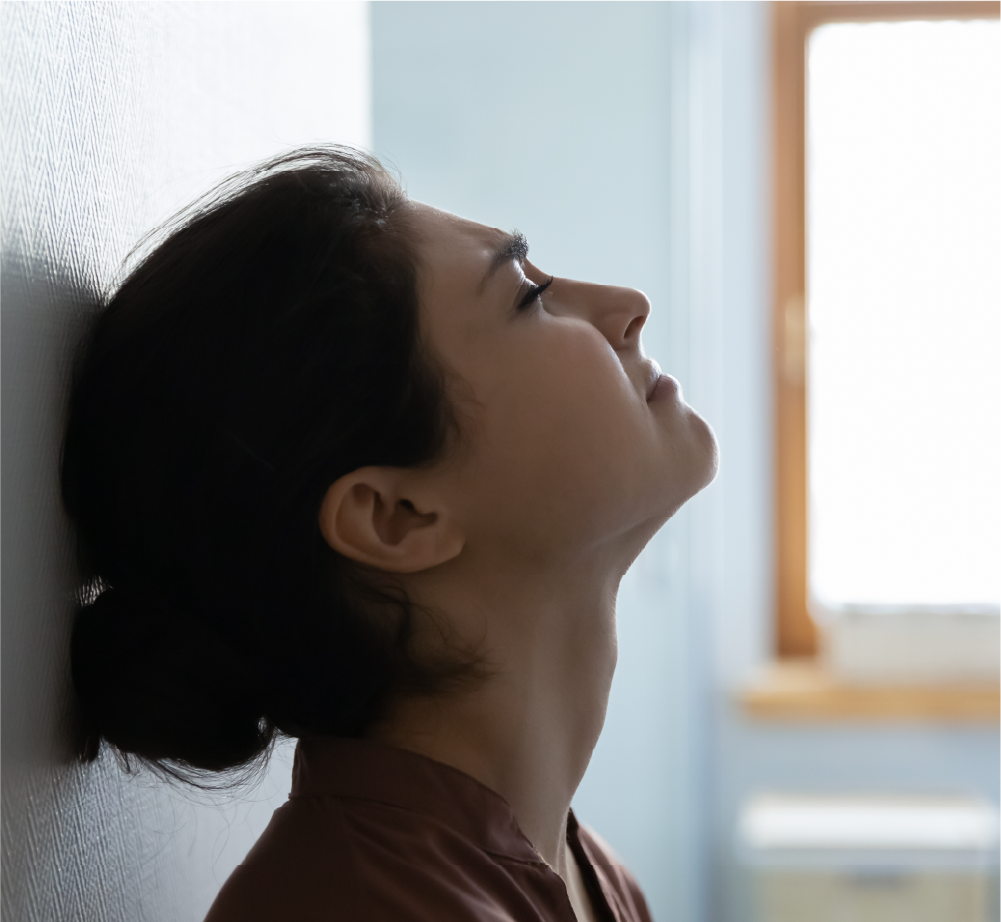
(534, 294)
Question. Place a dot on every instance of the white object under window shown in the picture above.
(853, 830)
(869, 859)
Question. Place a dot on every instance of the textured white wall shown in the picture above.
(113, 116)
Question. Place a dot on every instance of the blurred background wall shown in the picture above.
(556, 119)
(113, 116)
(630, 142)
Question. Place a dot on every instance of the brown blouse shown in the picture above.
(379, 834)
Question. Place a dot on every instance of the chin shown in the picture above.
(694, 461)
(696, 456)
(708, 449)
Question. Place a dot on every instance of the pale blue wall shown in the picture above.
(629, 141)
(727, 181)
(554, 118)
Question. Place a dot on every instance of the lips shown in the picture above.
(664, 388)
(659, 385)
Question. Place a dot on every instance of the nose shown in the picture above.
(617, 313)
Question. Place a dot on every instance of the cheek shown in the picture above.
(563, 438)
(560, 397)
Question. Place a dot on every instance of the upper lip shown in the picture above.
(653, 374)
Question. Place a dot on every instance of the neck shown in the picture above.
(526, 731)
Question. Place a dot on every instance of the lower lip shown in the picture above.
(666, 388)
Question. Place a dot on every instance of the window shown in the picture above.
(888, 313)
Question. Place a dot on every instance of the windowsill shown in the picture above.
(802, 690)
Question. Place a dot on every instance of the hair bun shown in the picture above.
(162, 685)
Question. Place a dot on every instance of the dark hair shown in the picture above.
(269, 345)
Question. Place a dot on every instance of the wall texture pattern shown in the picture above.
(112, 116)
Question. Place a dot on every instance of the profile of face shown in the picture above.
(573, 448)
(522, 451)
(572, 440)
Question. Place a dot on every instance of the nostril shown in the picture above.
(632, 330)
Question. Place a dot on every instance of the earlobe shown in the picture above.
(369, 517)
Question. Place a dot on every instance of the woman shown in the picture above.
(350, 469)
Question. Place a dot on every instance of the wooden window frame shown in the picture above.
(792, 23)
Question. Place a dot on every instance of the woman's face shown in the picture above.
(571, 438)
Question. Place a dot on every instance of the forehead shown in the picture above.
(455, 252)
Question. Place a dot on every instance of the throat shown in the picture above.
(528, 730)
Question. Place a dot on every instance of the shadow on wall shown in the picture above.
(45, 314)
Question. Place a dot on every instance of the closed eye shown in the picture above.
(533, 294)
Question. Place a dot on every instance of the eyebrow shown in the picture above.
(513, 246)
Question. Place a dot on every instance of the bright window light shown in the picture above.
(904, 311)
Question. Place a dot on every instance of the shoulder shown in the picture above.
(330, 858)
(616, 881)
(297, 865)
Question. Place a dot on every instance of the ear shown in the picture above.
(379, 517)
